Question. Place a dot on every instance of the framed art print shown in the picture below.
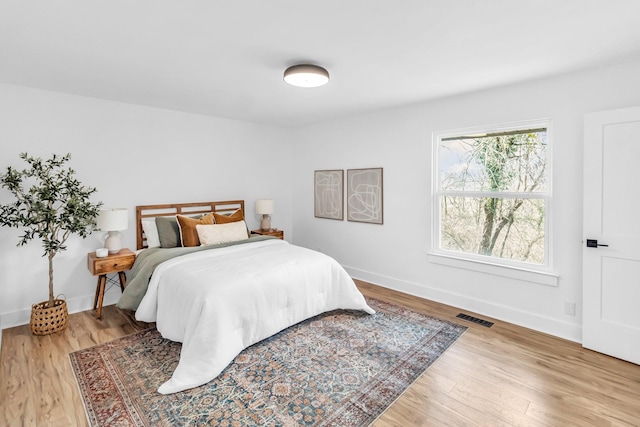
(364, 195)
(328, 194)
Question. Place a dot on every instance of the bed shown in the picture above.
(224, 294)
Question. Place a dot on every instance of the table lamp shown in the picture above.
(264, 207)
(112, 221)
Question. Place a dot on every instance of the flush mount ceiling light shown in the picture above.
(306, 75)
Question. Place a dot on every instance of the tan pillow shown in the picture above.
(222, 233)
(188, 232)
(225, 219)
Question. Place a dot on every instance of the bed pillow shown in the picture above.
(168, 231)
(188, 232)
(222, 233)
(225, 219)
(151, 232)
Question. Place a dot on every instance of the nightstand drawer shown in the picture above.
(112, 263)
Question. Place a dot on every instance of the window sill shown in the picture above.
(535, 276)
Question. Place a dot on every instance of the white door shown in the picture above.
(611, 274)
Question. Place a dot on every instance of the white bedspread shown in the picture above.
(218, 302)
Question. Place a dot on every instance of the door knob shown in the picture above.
(593, 243)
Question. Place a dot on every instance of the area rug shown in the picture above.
(342, 368)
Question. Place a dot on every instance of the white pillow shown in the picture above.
(151, 232)
(213, 234)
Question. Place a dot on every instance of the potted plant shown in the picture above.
(50, 204)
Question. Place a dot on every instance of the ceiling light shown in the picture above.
(306, 75)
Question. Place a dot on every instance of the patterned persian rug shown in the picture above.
(342, 368)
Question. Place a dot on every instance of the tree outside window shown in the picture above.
(493, 195)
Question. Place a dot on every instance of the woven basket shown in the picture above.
(45, 320)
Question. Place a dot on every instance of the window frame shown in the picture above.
(538, 273)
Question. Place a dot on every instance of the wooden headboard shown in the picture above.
(152, 211)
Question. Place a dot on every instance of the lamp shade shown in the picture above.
(264, 206)
(306, 75)
(113, 219)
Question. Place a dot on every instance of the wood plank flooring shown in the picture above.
(499, 376)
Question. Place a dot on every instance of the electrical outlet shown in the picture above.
(570, 308)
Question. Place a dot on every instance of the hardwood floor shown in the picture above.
(499, 376)
(37, 385)
(507, 375)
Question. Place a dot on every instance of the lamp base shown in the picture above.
(265, 223)
(112, 241)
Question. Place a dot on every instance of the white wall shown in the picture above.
(133, 155)
(399, 140)
(167, 156)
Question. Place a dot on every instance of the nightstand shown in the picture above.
(272, 232)
(100, 267)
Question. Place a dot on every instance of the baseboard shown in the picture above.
(547, 325)
(526, 319)
(74, 305)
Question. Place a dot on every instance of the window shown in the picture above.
(492, 195)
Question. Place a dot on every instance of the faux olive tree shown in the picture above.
(50, 204)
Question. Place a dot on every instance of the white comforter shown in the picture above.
(218, 302)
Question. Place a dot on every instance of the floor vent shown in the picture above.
(475, 320)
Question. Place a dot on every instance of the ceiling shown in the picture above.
(226, 57)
